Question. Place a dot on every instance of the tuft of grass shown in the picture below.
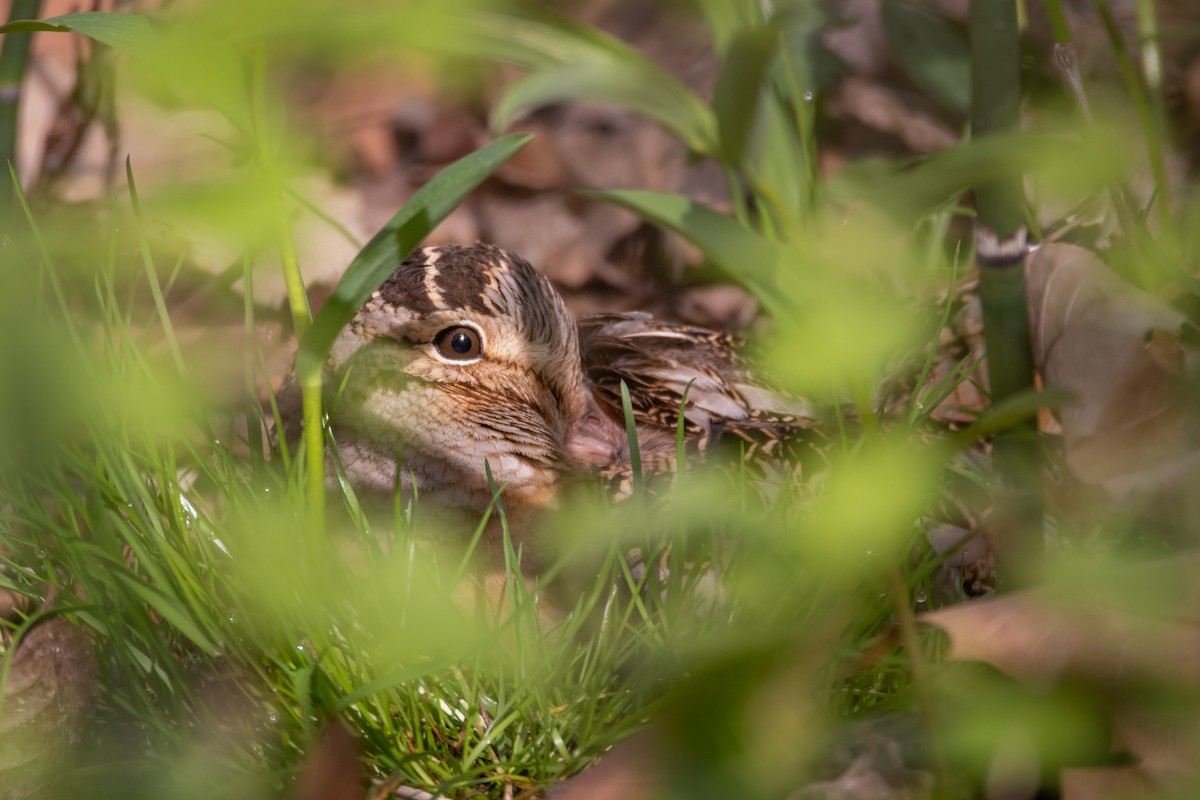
(233, 622)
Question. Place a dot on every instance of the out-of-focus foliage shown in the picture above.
(229, 630)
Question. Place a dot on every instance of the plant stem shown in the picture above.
(307, 369)
(907, 625)
(1152, 72)
(1058, 21)
(995, 102)
(14, 55)
(1147, 101)
(1000, 251)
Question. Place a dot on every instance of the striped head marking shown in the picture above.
(466, 353)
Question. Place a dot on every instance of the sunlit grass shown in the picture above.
(141, 492)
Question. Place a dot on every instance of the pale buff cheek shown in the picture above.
(428, 421)
(503, 343)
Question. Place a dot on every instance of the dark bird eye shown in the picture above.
(459, 343)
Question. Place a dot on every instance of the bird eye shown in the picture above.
(460, 343)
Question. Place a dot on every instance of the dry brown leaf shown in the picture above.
(892, 110)
(1118, 352)
(334, 769)
(632, 770)
(1050, 635)
(47, 700)
(1042, 634)
(1107, 783)
(1035, 639)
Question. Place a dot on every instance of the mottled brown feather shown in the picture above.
(542, 402)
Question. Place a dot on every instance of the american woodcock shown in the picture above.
(468, 354)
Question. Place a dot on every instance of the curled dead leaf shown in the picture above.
(1131, 424)
(334, 769)
(51, 688)
(632, 770)
(1115, 636)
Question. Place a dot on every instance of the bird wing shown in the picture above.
(659, 361)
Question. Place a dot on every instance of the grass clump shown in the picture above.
(235, 618)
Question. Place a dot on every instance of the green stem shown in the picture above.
(308, 370)
(995, 103)
(1144, 101)
(160, 304)
(906, 624)
(1000, 251)
(1058, 22)
(14, 56)
(1152, 74)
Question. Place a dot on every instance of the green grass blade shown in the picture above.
(629, 84)
(931, 51)
(746, 256)
(160, 305)
(574, 62)
(432, 203)
(740, 90)
(680, 443)
(129, 33)
(171, 610)
(635, 453)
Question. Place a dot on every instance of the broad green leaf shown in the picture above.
(179, 61)
(740, 88)
(727, 20)
(129, 33)
(171, 610)
(933, 54)
(1073, 167)
(536, 40)
(432, 203)
(743, 254)
(574, 62)
(627, 84)
(869, 500)
(571, 61)
(1010, 411)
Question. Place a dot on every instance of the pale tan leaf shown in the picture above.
(632, 770)
(1107, 783)
(1118, 635)
(47, 699)
(1043, 635)
(1118, 351)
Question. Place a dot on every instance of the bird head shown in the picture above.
(464, 354)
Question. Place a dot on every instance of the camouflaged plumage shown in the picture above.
(541, 402)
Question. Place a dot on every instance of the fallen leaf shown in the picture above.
(47, 699)
(1131, 425)
(334, 769)
(632, 770)
(1106, 636)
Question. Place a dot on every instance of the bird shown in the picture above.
(465, 371)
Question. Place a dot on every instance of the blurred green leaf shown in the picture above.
(869, 500)
(853, 322)
(1002, 729)
(171, 610)
(1069, 165)
(933, 54)
(740, 88)
(626, 84)
(1011, 410)
(432, 203)
(573, 62)
(129, 33)
(179, 60)
(727, 20)
(538, 39)
(744, 255)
